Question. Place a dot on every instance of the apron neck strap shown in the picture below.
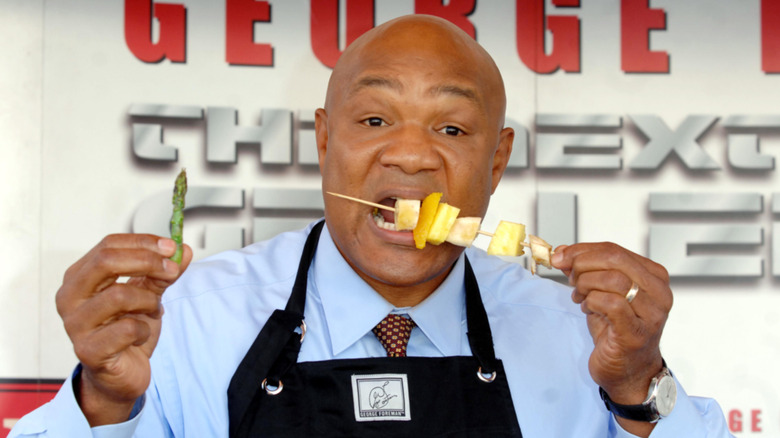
(297, 300)
(479, 334)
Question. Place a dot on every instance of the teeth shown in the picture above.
(380, 221)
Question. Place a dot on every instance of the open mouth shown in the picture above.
(385, 219)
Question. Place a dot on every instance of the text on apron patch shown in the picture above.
(381, 397)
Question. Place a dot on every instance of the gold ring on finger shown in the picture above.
(632, 292)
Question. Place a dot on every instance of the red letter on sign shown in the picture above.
(138, 31)
(240, 31)
(770, 36)
(637, 19)
(456, 12)
(735, 420)
(325, 26)
(530, 37)
(755, 420)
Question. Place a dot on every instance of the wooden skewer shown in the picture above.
(384, 207)
(489, 234)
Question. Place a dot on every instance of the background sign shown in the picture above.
(653, 124)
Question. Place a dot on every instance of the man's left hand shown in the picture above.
(626, 336)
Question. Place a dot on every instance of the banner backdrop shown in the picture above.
(653, 124)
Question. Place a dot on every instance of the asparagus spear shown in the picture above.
(177, 218)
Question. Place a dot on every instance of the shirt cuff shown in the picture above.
(121, 430)
(619, 431)
(62, 416)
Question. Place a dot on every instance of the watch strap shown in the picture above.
(647, 411)
(642, 412)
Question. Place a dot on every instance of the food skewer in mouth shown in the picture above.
(436, 222)
(405, 212)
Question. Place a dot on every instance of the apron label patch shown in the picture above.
(381, 397)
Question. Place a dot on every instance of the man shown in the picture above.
(414, 106)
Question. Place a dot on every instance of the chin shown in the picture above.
(414, 267)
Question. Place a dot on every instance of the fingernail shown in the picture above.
(170, 266)
(166, 244)
(557, 257)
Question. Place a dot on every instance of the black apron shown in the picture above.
(271, 395)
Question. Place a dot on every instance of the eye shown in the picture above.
(451, 130)
(374, 121)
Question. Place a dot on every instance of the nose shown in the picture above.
(412, 149)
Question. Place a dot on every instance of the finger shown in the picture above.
(607, 280)
(111, 304)
(123, 255)
(159, 285)
(557, 260)
(132, 240)
(619, 315)
(644, 307)
(597, 256)
(654, 295)
(589, 256)
(95, 349)
(582, 258)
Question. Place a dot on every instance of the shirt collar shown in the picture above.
(352, 308)
(442, 315)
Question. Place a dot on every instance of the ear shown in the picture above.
(501, 156)
(321, 134)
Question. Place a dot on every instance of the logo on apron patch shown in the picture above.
(381, 397)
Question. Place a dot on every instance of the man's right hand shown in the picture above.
(115, 326)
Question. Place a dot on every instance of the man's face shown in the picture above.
(405, 119)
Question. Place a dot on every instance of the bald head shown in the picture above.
(414, 106)
(418, 42)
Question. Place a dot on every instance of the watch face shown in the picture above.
(666, 395)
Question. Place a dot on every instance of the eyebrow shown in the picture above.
(456, 91)
(396, 85)
(377, 82)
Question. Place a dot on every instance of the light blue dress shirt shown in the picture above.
(215, 311)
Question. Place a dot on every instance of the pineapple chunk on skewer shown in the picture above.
(442, 223)
(507, 240)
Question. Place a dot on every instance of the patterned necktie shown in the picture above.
(393, 333)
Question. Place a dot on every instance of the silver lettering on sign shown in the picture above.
(223, 135)
(307, 140)
(519, 157)
(744, 150)
(706, 202)
(148, 137)
(307, 203)
(670, 246)
(776, 236)
(579, 120)
(664, 141)
(556, 220)
(551, 149)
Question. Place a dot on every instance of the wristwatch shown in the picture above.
(659, 403)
